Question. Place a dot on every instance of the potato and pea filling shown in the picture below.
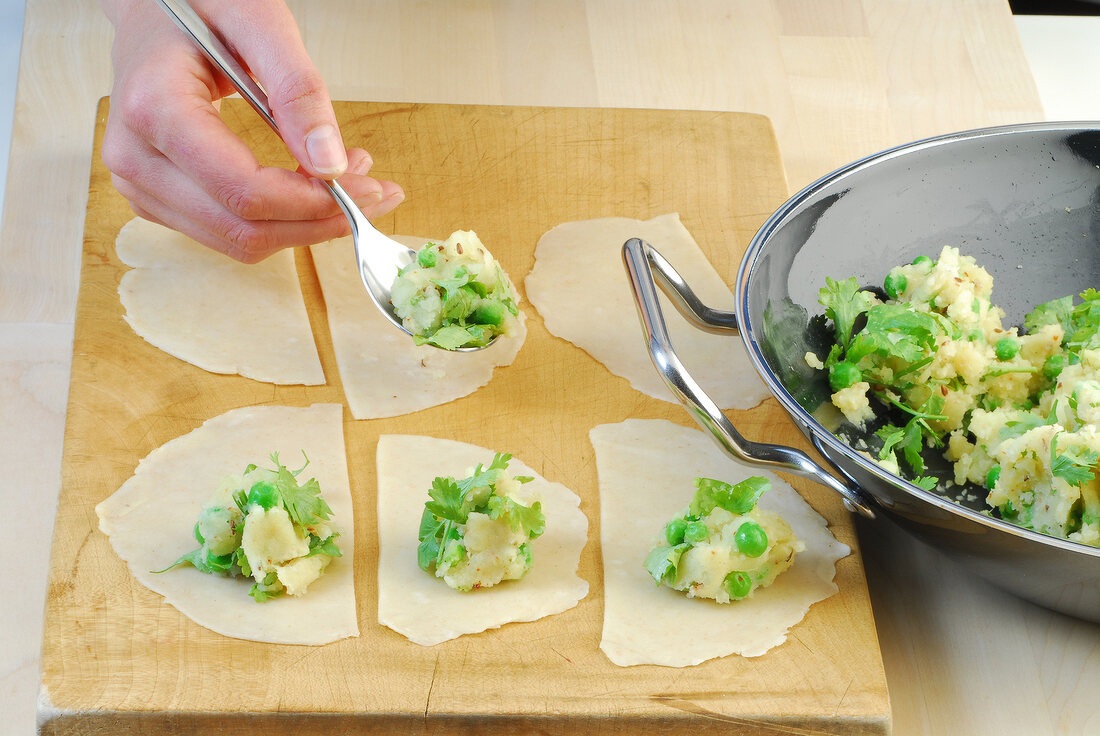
(723, 546)
(263, 524)
(1015, 412)
(474, 533)
(455, 294)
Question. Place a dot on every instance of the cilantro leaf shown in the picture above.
(1054, 312)
(1074, 464)
(911, 444)
(446, 501)
(203, 561)
(661, 562)
(427, 552)
(302, 502)
(890, 436)
(520, 518)
(844, 302)
(326, 546)
(1085, 332)
(1025, 423)
(895, 330)
(451, 337)
(452, 285)
(737, 499)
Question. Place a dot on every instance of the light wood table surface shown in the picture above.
(839, 79)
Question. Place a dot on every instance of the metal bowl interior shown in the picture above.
(1025, 202)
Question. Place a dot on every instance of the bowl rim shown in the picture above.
(747, 270)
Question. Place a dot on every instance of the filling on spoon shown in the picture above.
(455, 295)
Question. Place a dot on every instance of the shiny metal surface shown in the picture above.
(638, 257)
(379, 257)
(1024, 200)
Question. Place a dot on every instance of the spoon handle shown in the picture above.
(204, 37)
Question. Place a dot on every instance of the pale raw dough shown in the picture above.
(419, 605)
(384, 372)
(580, 288)
(216, 313)
(150, 519)
(646, 472)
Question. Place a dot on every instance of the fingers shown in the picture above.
(171, 155)
(183, 206)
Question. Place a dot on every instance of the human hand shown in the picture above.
(179, 165)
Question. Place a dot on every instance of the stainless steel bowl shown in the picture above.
(1024, 200)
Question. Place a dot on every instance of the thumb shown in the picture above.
(266, 36)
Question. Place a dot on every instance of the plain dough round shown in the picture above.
(213, 312)
(580, 288)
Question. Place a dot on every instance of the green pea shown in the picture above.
(992, 476)
(264, 494)
(923, 260)
(895, 284)
(1053, 366)
(1006, 348)
(737, 584)
(751, 539)
(843, 375)
(696, 531)
(674, 531)
(425, 257)
(488, 313)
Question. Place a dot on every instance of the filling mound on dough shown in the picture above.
(722, 546)
(455, 295)
(930, 363)
(474, 533)
(264, 525)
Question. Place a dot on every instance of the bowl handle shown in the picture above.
(641, 261)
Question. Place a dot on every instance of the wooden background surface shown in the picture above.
(839, 79)
(112, 647)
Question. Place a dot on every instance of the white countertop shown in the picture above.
(34, 368)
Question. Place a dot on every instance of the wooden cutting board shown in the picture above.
(117, 658)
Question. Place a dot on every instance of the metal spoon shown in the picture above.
(379, 257)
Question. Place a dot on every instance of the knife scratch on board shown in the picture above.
(431, 686)
(759, 725)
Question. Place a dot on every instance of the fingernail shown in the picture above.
(326, 154)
